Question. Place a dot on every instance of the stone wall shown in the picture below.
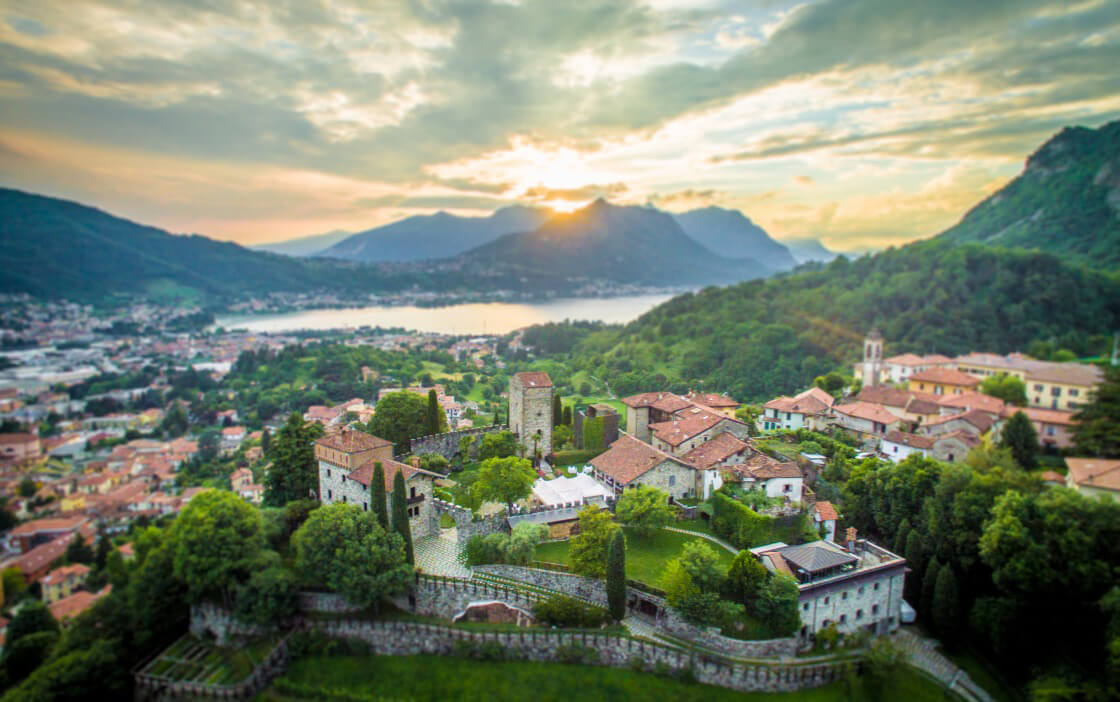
(448, 598)
(580, 586)
(672, 622)
(325, 602)
(530, 414)
(447, 445)
(467, 524)
(412, 638)
(209, 620)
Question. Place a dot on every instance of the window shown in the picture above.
(844, 596)
(787, 488)
(1073, 392)
(861, 589)
(875, 586)
(672, 480)
(328, 472)
(896, 449)
(826, 600)
(843, 618)
(330, 495)
(365, 506)
(412, 491)
(1038, 388)
(874, 609)
(805, 607)
(859, 614)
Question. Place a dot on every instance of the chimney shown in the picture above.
(415, 461)
(850, 538)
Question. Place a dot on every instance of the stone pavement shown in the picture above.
(925, 656)
(714, 539)
(439, 555)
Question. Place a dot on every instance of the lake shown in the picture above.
(470, 318)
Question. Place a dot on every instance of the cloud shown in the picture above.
(541, 193)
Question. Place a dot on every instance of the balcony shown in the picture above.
(415, 500)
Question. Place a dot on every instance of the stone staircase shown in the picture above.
(925, 656)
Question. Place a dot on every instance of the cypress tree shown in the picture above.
(377, 494)
(916, 557)
(557, 411)
(432, 423)
(266, 441)
(616, 576)
(1019, 436)
(900, 537)
(568, 416)
(929, 584)
(946, 606)
(400, 515)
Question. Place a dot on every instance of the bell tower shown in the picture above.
(872, 358)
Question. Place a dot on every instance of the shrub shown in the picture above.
(577, 653)
(563, 611)
(482, 651)
(738, 523)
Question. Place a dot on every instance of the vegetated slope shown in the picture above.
(1066, 201)
(762, 338)
(601, 242)
(436, 236)
(304, 245)
(734, 235)
(809, 250)
(56, 248)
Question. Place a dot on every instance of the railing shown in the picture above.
(414, 500)
(555, 567)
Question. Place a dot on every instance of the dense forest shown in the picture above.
(762, 338)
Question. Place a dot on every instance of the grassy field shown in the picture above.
(645, 557)
(438, 374)
(436, 677)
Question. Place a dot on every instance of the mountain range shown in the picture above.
(1066, 201)
(734, 235)
(304, 245)
(440, 235)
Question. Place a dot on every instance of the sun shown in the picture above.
(562, 206)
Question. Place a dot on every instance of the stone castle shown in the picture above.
(530, 411)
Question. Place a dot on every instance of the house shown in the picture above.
(897, 445)
(856, 586)
(19, 447)
(1049, 384)
(37, 562)
(943, 381)
(909, 406)
(629, 462)
(1094, 476)
(954, 446)
(321, 414)
(346, 465)
(968, 401)
(708, 458)
(252, 492)
(27, 536)
(898, 369)
(63, 582)
(232, 438)
(824, 515)
(720, 403)
(651, 408)
(977, 422)
(70, 607)
(865, 419)
(692, 427)
(240, 478)
(1054, 427)
(807, 410)
(780, 479)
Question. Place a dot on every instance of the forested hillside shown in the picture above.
(1066, 201)
(765, 337)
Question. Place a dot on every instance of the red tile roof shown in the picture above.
(534, 379)
(868, 411)
(364, 474)
(911, 440)
(973, 401)
(628, 459)
(57, 524)
(946, 376)
(977, 418)
(1095, 472)
(72, 606)
(763, 467)
(711, 399)
(676, 432)
(716, 450)
(349, 441)
(1042, 416)
(37, 559)
(60, 574)
(826, 511)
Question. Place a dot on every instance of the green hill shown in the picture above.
(765, 337)
(1066, 201)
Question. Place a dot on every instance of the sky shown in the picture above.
(862, 123)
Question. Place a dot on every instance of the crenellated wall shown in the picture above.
(447, 445)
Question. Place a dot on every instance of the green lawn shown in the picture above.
(985, 675)
(645, 557)
(443, 678)
(437, 372)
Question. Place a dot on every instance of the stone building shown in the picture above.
(346, 465)
(872, 370)
(629, 462)
(856, 586)
(530, 410)
(610, 423)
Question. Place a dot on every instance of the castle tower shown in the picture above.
(872, 358)
(530, 411)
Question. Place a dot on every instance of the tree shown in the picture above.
(216, 541)
(593, 433)
(946, 606)
(497, 445)
(266, 442)
(78, 551)
(901, 536)
(175, 422)
(400, 516)
(33, 618)
(702, 563)
(585, 388)
(400, 417)
(208, 445)
(587, 551)
(156, 598)
(27, 487)
(916, 557)
(778, 605)
(1020, 437)
(467, 446)
(616, 576)
(746, 578)
(645, 508)
(22, 657)
(378, 496)
(1096, 431)
(557, 411)
(294, 474)
(14, 583)
(929, 585)
(677, 583)
(104, 548)
(432, 423)
(561, 436)
(567, 415)
(883, 659)
(505, 480)
(91, 673)
(434, 462)
(344, 548)
(1008, 388)
(270, 596)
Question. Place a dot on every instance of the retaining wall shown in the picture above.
(447, 445)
